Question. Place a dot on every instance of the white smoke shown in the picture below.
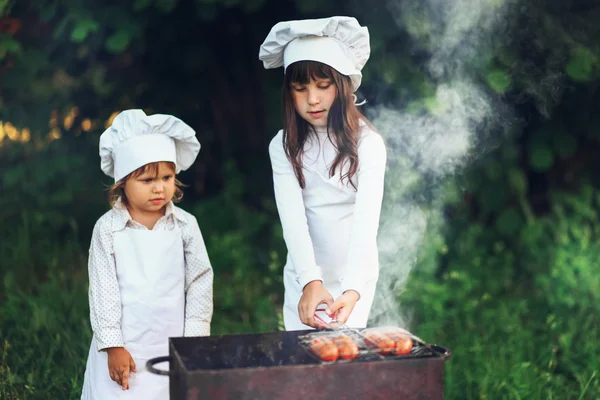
(426, 149)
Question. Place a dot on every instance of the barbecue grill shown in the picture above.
(276, 365)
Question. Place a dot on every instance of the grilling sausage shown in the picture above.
(403, 342)
(324, 348)
(377, 339)
(348, 350)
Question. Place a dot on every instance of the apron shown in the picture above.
(329, 207)
(151, 275)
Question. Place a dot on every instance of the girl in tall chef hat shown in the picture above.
(328, 171)
(150, 275)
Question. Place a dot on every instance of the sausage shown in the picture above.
(348, 350)
(324, 348)
(377, 339)
(403, 342)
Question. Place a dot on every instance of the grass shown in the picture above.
(512, 346)
(503, 352)
(45, 329)
(504, 355)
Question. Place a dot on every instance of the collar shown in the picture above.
(121, 215)
(320, 130)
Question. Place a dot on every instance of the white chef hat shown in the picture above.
(135, 139)
(339, 42)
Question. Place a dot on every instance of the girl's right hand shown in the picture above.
(120, 363)
(313, 295)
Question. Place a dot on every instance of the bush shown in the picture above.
(519, 313)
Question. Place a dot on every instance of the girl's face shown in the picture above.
(314, 99)
(149, 192)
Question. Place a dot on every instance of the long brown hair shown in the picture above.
(343, 121)
(118, 189)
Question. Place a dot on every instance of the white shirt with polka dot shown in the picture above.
(104, 293)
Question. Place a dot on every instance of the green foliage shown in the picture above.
(582, 65)
(246, 252)
(511, 286)
(541, 158)
(8, 45)
(498, 80)
(83, 27)
(44, 317)
(519, 311)
(5, 6)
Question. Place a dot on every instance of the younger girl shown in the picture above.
(150, 276)
(328, 171)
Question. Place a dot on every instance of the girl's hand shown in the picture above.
(120, 363)
(313, 295)
(342, 307)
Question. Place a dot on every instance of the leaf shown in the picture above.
(8, 45)
(509, 222)
(60, 27)
(581, 65)
(82, 28)
(48, 12)
(433, 105)
(541, 158)
(517, 180)
(118, 42)
(498, 80)
(5, 6)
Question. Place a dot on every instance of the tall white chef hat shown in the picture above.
(135, 139)
(339, 42)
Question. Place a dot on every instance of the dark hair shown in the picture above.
(343, 119)
(118, 189)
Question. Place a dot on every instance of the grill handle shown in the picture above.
(150, 365)
(443, 352)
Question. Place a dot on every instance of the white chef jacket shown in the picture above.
(330, 229)
(104, 294)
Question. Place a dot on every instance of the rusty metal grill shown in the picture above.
(276, 366)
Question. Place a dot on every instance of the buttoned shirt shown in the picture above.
(104, 292)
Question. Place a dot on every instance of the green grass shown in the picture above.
(522, 320)
(44, 326)
(501, 351)
(509, 355)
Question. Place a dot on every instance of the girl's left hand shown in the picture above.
(342, 306)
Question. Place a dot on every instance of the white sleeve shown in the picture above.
(104, 293)
(198, 282)
(362, 254)
(290, 205)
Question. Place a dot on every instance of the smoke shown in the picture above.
(428, 148)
